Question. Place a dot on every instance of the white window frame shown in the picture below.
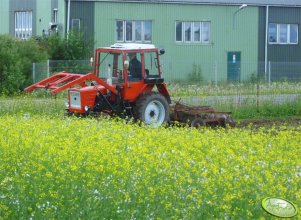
(288, 34)
(133, 37)
(73, 26)
(23, 24)
(193, 24)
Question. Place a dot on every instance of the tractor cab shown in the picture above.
(129, 66)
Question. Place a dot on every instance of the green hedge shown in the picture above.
(16, 58)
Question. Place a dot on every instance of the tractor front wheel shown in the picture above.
(152, 109)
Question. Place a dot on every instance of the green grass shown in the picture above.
(34, 104)
(182, 90)
(268, 111)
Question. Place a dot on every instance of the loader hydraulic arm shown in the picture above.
(65, 80)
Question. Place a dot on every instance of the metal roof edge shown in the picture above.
(191, 2)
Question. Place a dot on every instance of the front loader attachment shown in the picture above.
(65, 80)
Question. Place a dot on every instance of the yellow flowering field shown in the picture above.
(71, 168)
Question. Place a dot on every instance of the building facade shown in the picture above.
(216, 40)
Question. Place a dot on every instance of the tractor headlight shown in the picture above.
(87, 108)
(67, 105)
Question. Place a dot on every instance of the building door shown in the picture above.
(233, 67)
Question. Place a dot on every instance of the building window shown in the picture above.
(129, 31)
(54, 15)
(179, 34)
(138, 30)
(205, 32)
(75, 24)
(23, 24)
(283, 33)
(197, 32)
(187, 28)
(119, 30)
(133, 31)
(147, 31)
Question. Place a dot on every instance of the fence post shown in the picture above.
(269, 73)
(257, 93)
(215, 73)
(33, 72)
(48, 72)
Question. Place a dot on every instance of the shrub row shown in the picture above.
(17, 56)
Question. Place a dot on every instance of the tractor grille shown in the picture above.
(75, 100)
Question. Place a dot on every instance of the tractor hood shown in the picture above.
(81, 99)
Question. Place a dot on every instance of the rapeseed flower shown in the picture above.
(64, 168)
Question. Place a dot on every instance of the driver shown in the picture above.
(134, 66)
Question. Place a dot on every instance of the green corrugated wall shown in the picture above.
(43, 15)
(4, 21)
(85, 12)
(180, 57)
(62, 16)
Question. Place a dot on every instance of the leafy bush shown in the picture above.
(256, 78)
(16, 58)
(196, 75)
(10, 67)
(65, 51)
(76, 47)
(30, 52)
(54, 45)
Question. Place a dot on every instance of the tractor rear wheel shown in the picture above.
(152, 109)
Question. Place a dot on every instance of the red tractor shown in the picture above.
(127, 81)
